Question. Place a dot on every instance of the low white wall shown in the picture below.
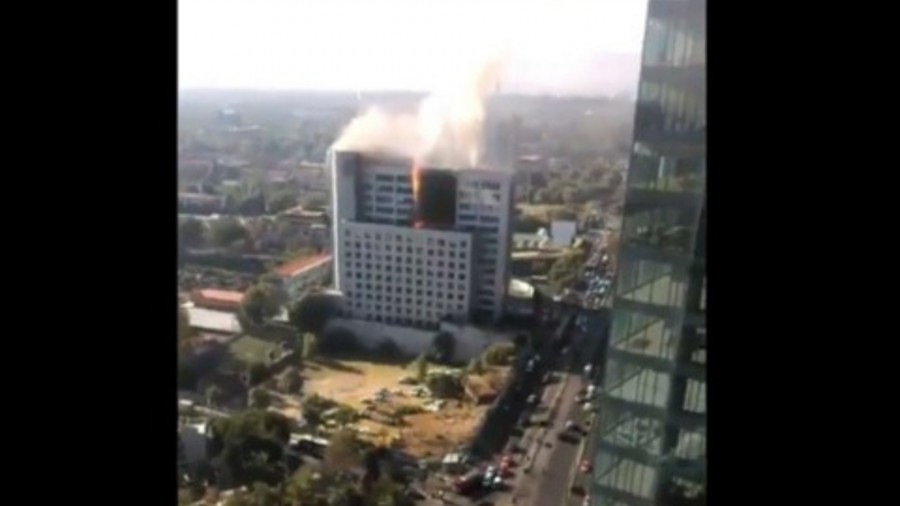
(470, 341)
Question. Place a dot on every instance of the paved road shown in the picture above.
(548, 482)
(556, 470)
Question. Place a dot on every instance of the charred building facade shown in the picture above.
(414, 245)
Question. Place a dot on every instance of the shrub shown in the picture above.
(445, 386)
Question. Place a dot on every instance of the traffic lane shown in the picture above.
(553, 484)
(532, 488)
(522, 485)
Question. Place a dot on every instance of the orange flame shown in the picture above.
(415, 183)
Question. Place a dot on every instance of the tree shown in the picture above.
(300, 487)
(248, 446)
(565, 270)
(259, 304)
(343, 452)
(311, 313)
(260, 398)
(214, 396)
(420, 365)
(281, 201)
(442, 347)
(310, 345)
(192, 233)
(314, 201)
(345, 415)
(444, 386)
(313, 408)
(274, 286)
(564, 214)
(224, 232)
(499, 354)
(476, 366)
(522, 340)
(388, 350)
(290, 381)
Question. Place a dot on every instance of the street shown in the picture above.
(546, 466)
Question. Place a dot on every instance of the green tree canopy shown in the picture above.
(260, 303)
(499, 353)
(260, 398)
(281, 201)
(224, 232)
(565, 270)
(249, 445)
(192, 233)
(443, 347)
(444, 386)
(311, 313)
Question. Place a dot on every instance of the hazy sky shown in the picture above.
(394, 44)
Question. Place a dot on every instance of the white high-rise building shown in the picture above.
(415, 245)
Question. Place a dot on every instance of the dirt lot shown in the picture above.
(425, 434)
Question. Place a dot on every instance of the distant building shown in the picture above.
(304, 217)
(200, 203)
(193, 172)
(562, 232)
(219, 300)
(229, 117)
(538, 240)
(210, 320)
(304, 273)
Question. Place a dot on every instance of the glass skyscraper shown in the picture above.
(651, 428)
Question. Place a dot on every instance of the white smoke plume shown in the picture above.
(445, 131)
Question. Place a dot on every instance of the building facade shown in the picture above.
(303, 274)
(651, 428)
(413, 246)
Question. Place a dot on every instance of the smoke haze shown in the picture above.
(445, 131)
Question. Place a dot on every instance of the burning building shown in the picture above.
(415, 244)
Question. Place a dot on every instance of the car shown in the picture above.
(586, 501)
(532, 400)
(490, 474)
(586, 466)
(570, 425)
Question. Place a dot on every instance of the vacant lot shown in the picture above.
(355, 383)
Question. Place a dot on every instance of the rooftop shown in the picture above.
(297, 265)
(213, 294)
(216, 321)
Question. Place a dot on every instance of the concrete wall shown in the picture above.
(470, 341)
